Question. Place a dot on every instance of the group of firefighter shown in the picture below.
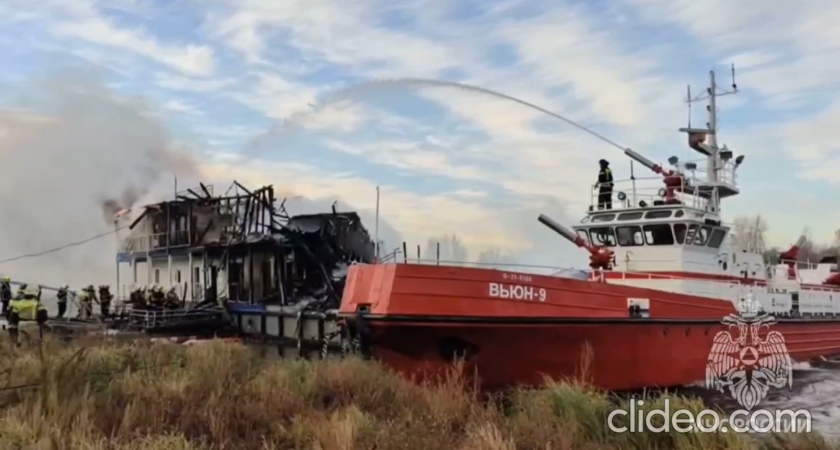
(25, 304)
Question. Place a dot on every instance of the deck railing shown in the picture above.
(647, 191)
(156, 241)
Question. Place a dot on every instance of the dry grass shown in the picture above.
(137, 397)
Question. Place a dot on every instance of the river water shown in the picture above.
(815, 388)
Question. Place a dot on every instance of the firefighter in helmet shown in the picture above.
(62, 301)
(26, 306)
(605, 185)
(5, 294)
(86, 298)
(105, 298)
(21, 292)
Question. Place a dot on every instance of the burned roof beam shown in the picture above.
(206, 191)
(242, 187)
(138, 219)
(194, 193)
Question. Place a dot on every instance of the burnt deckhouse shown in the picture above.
(241, 247)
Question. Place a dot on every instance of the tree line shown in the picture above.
(450, 248)
(749, 233)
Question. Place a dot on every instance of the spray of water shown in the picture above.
(359, 89)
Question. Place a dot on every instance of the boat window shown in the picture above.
(629, 236)
(702, 235)
(603, 236)
(679, 213)
(603, 218)
(717, 238)
(689, 234)
(584, 235)
(658, 214)
(679, 232)
(630, 216)
(659, 235)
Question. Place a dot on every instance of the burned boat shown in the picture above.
(241, 264)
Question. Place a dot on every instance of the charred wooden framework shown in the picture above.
(266, 256)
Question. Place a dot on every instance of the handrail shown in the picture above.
(647, 193)
(478, 264)
(656, 276)
(155, 241)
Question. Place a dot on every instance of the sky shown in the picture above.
(263, 91)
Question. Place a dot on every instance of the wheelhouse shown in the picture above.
(651, 227)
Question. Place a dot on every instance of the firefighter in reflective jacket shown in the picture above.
(5, 294)
(62, 301)
(605, 185)
(27, 306)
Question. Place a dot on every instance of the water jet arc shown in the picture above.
(345, 93)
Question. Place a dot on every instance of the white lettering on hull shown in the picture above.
(517, 292)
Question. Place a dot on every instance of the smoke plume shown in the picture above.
(74, 154)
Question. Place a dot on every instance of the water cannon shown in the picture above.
(599, 257)
(674, 180)
(791, 255)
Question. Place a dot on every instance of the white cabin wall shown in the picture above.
(195, 290)
(648, 258)
(737, 262)
(816, 274)
(772, 298)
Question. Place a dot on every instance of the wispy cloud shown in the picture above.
(229, 72)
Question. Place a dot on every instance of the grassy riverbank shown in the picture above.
(109, 396)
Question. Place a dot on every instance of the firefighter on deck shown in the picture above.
(86, 298)
(5, 294)
(62, 301)
(605, 185)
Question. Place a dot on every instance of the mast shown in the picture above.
(711, 125)
(376, 231)
(704, 141)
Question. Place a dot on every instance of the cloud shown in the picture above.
(177, 106)
(190, 59)
(82, 20)
(451, 161)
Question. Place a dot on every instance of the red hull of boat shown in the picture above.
(420, 316)
(609, 355)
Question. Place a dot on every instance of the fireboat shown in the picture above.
(662, 280)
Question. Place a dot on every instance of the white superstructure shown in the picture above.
(667, 233)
